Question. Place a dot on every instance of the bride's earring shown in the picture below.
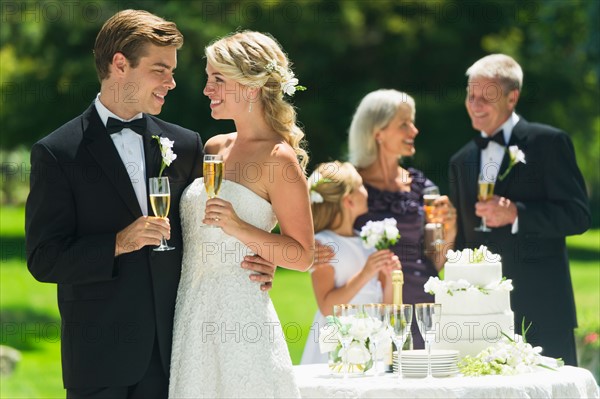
(250, 108)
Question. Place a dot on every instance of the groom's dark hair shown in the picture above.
(128, 32)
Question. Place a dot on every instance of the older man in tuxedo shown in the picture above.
(88, 227)
(536, 203)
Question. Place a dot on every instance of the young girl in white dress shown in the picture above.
(355, 274)
(227, 338)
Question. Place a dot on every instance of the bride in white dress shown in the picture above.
(227, 339)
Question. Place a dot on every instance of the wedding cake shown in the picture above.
(475, 301)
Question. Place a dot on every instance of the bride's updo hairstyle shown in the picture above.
(329, 184)
(254, 59)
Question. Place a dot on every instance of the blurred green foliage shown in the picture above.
(341, 50)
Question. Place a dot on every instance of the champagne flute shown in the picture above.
(213, 169)
(160, 200)
(428, 318)
(213, 174)
(430, 195)
(398, 320)
(485, 192)
(376, 311)
(344, 314)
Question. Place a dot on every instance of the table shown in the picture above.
(315, 381)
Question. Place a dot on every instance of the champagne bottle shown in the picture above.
(397, 283)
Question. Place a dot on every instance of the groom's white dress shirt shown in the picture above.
(130, 146)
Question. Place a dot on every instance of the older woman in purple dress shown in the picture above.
(382, 131)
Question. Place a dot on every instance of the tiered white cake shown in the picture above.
(475, 301)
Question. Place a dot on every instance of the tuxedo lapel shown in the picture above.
(151, 149)
(518, 137)
(151, 153)
(104, 152)
(471, 174)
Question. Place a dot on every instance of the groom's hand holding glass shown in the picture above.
(146, 230)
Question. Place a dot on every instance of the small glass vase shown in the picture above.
(338, 368)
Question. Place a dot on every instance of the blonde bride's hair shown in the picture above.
(255, 59)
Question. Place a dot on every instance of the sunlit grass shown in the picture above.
(29, 314)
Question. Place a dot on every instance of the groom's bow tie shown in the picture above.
(482, 142)
(115, 126)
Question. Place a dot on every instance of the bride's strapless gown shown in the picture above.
(227, 339)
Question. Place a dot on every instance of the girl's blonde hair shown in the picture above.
(331, 181)
(257, 60)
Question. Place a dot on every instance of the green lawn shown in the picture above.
(29, 316)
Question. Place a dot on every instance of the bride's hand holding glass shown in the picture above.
(220, 213)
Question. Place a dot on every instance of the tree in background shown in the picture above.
(342, 50)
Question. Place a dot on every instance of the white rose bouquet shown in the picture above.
(363, 330)
(381, 234)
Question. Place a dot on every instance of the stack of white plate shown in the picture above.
(414, 363)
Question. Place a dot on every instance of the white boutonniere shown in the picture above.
(516, 156)
(381, 234)
(166, 151)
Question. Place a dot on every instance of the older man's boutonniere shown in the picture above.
(516, 156)
(166, 151)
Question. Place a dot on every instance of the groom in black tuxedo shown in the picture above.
(88, 227)
(536, 203)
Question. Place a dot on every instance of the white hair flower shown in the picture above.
(316, 178)
(315, 197)
(289, 83)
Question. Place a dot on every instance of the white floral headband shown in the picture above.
(289, 84)
(315, 196)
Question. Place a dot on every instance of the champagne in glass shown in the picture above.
(160, 200)
(398, 319)
(486, 192)
(213, 174)
(430, 195)
(213, 169)
(428, 318)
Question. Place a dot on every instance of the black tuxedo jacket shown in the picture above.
(549, 192)
(112, 309)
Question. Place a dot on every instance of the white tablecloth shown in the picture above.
(315, 381)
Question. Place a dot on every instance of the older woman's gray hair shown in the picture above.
(501, 67)
(374, 113)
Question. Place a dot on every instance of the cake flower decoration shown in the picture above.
(508, 357)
